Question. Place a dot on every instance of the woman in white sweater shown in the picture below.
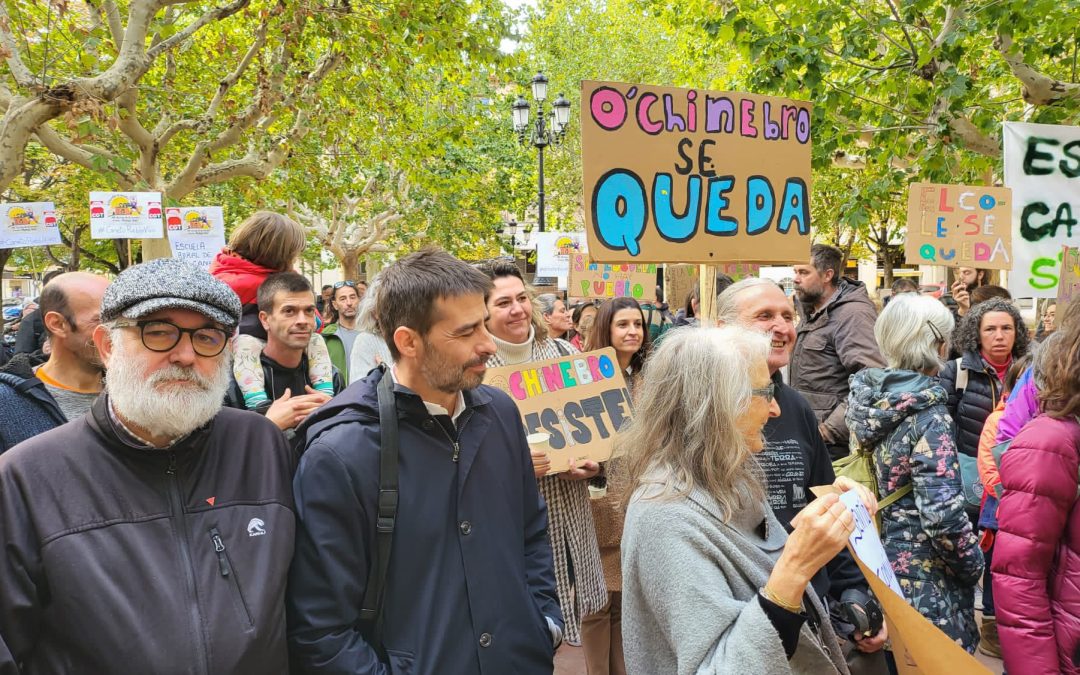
(711, 582)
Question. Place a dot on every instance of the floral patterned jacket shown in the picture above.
(901, 415)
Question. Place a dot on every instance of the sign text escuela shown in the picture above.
(688, 175)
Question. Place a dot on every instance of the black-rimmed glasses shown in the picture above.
(162, 336)
(768, 392)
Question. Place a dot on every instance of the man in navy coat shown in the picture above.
(470, 586)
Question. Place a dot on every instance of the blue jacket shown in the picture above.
(470, 578)
(28, 407)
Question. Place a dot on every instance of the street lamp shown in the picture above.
(541, 134)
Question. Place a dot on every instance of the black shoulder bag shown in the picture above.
(371, 609)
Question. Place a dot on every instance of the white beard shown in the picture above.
(172, 412)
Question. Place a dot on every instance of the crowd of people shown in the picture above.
(220, 472)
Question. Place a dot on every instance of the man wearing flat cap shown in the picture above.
(154, 534)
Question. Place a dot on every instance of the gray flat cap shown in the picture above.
(168, 283)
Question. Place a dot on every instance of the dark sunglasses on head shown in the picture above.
(350, 284)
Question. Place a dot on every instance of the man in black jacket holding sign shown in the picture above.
(468, 587)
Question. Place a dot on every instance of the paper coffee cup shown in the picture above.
(539, 441)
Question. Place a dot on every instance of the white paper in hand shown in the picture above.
(867, 544)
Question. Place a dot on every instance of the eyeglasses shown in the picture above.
(350, 284)
(162, 336)
(768, 393)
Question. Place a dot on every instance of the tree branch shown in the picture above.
(952, 15)
(83, 155)
(216, 14)
(18, 69)
(1038, 89)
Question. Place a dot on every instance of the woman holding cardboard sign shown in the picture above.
(521, 337)
(711, 581)
(620, 324)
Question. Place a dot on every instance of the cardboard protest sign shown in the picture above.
(580, 399)
(125, 215)
(679, 280)
(196, 233)
(1069, 283)
(553, 251)
(919, 646)
(959, 226)
(1042, 166)
(602, 281)
(28, 224)
(688, 175)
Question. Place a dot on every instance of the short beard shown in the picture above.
(446, 377)
(807, 297)
(172, 413)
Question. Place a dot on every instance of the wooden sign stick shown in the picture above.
(707, 298)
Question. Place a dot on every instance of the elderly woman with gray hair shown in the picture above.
(899, 413)
(712, 583)
(556, 315)
(369, 350)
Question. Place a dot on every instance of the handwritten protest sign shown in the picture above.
(1069, 284)
(196, 233)
(679, 280)
(1042, 166)
(553, 251)
(598, 280)
(28, 224)
(125, 215)
(920, 646)
(580, 399)
(959, 226)
(867, 544)
(688, 175)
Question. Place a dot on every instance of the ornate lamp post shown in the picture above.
(541, 134)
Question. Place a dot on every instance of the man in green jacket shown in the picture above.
(340, 336)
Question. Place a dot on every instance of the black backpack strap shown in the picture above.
(371, 610)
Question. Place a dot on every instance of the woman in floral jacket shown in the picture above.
(900, 413)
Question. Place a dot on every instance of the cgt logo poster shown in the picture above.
(196, 233)
(28, 224)
(1042, 166)
(125, 215)
(694, 176)
(580, 399)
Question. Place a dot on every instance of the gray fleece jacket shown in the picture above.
(690, 585)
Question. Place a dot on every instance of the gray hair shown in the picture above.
(727, 306)
(910, 330)
(545, 303)
(366, 319)
(1040, 360)
(694, 389)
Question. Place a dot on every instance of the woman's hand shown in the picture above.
(541, 463)
(845, 484)
(821, 531)
(584, 471)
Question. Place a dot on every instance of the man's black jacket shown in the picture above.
(123, 559)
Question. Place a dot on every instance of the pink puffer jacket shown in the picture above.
(1037, 552)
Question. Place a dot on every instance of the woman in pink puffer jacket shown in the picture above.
(1037, 551)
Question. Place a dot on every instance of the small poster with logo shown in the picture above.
(28, 224)
(553, 251)
(125, 215)
(196, 233)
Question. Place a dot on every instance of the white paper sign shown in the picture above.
(196, 233)
(1042, 166)
(866, 542)
(553, 250)
(125, 215)
(28, 224)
